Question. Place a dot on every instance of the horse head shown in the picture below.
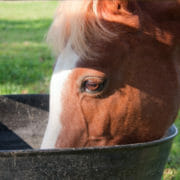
(116, 79)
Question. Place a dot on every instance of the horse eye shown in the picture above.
(93, 85)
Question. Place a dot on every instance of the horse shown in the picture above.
(117, 78)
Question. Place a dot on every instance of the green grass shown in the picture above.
(26, 62)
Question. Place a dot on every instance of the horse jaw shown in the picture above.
(63, 68)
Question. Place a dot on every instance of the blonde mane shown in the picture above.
(75, 22)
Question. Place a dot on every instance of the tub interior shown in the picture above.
(23, 119)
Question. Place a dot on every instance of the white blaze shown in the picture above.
(63, 68)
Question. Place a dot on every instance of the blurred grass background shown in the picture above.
(26, 62)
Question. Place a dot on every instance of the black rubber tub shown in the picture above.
(23, 120)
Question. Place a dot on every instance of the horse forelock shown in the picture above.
(75, 22)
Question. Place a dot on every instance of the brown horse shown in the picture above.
(116, 80)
